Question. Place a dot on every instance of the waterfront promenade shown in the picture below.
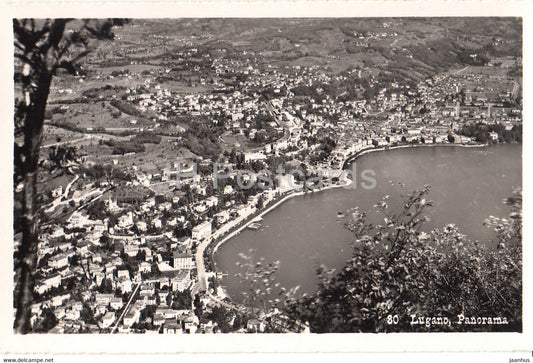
(242, 221)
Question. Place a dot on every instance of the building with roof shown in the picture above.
(132, 317)
(103, 299)
(183, 260)
(171, 326)
(58, 261)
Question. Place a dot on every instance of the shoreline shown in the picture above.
(369, 150)
(248, 222)
(348, 160)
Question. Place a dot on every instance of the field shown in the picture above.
(334, 41)
(182, 88)
(53, 135)
(239, 142)
(153, 160)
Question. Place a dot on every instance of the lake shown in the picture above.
(467, 186)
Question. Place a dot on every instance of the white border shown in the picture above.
(414, 342)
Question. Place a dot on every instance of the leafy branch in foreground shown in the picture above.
(258, 279)
(398, 270)
(262, 295)
(43, 47)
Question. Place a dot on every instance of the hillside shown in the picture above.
(413, 47)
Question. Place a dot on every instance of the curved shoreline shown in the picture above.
(349, 159)
(248, 222)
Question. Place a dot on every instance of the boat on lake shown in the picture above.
(254, 225)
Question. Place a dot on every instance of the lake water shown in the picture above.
(467, 185)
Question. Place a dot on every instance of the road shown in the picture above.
(57, 202)
(203, 275)
(56, 219)
(286, 132)
(200, 267)
(378, 112)
(273, 113)
(69, 185)
(225, 304)
(86, 137)
(53, 204)
(460, 70)
(126, 308)
(133, 237)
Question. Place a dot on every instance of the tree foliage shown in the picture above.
(257, 279)
(47, 322)
(263, 296)
(182, 299)
(480, 132)
(62, 156)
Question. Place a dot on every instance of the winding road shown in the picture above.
(460, 70)
(86, 137)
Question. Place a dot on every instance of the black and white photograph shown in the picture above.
(266, 175)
